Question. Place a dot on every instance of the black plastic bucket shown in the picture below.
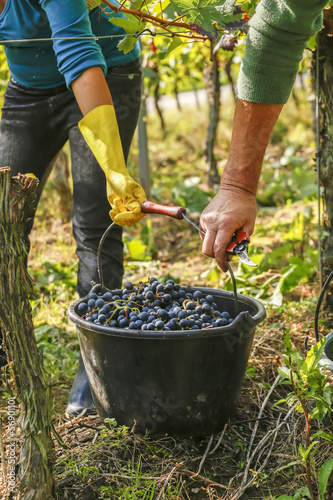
(180, 383)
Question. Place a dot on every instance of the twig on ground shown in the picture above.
(193, 475)
(166, 482)
(219, 441)
(206, 453)
(245, 485)
(254, 432)
(95, 438)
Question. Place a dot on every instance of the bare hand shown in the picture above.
(228, 211)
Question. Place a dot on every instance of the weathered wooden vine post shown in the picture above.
(211, 76)
(17, 206)
(325, 74)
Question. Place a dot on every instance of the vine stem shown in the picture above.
(307, 434)
(147, 16)
(155, 21)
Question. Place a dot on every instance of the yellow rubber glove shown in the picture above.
(100, 130)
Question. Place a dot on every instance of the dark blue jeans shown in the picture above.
(34, 127)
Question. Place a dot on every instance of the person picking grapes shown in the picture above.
(67, 75)
(279, 32)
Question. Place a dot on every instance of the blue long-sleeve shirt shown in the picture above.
(44, 64)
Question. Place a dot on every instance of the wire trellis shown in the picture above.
(137, 34)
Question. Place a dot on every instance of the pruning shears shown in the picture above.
(237, 246)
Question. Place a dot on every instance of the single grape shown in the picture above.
(190, 306)
(182, 314)
(123, 322)
(102, 318)
(143, 316)
(222, 322)
(162, 313)
(99, 303)
(82, 307)
(206, 308)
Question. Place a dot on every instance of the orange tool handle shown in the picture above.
(149, 207)
(238, 237)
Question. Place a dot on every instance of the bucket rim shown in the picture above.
(244, 319)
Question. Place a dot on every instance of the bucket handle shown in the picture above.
(100, 271)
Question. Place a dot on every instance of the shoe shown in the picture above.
(80, 400)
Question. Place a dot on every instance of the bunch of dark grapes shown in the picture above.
(153, 306)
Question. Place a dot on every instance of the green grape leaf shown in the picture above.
(127, 44)
(130, 23)
(324, 473)
(284, 372)
(204, 13)
(159, 7)
(228, 13)
(175, 43)
(312, 359)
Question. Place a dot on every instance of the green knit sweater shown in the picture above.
(279, 32)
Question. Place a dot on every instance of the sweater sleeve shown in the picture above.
(278, 34)
(71, 19)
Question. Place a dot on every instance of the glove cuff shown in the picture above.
(100, 129)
